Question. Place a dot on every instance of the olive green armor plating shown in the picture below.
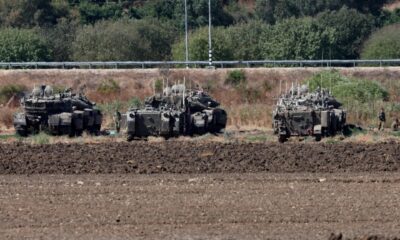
(303, 113)
(57, 114)
(177, 111)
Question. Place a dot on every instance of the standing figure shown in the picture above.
(117, 121)
(395, 125)
(382, 119)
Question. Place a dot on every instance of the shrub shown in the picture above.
(110, 107)
(124, 40)
(325, 79)
(41, 138)
(158, 85)
(108, 86)
(59, 88)
(348, 89)
(135, 103)
(236, 78)
(7, 91)
(383, 44)
(21, 45)
(363, 91)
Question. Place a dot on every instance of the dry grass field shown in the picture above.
(248, 105)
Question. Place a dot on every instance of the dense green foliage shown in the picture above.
(21, 45)
(198, 45)
(349, 89)
(123, 40)
(64, 30)
(297, 39)
(236, 78)
(383, 44)
(276, 10)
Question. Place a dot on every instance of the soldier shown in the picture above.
(395, 125)
(117, 120)
(382, 119)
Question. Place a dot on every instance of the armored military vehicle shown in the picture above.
(57, 114)
(304, 113)
(177, 111)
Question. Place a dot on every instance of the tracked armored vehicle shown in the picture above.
(177, 111)
(57, 114)
(304, 113)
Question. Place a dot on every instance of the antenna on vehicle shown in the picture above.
(154, 87)
(280, 87)
(322, 65)
(292, 89)
(184, 90)
(285, 86)
(330, 70)
(167, 82)
(163, 85)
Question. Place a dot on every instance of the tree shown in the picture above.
(351, 29)
(124, 40)
(247, 39)
(198, 45)
(277, 10)
(20, 45)
(59, 39)
(24, 13)
(383, 44)
(265, 10)
(296, 39)
(92, 12)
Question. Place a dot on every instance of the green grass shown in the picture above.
(258, 138)
(395, 134)
(7, 137)
(40, 139)
(332, 140)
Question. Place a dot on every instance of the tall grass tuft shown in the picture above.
(40, 139)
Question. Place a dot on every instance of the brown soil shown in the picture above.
(197, 157)
(206, 206)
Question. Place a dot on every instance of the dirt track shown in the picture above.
(197, 157)
(199, 190)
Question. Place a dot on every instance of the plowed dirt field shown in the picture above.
(199, 190)
(197, 157)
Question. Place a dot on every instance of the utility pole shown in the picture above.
(186, 36)
(209, 35)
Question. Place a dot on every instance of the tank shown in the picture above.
(303, 113)
(57, 113)
(177, 111)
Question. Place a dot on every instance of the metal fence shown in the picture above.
(201, 64)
